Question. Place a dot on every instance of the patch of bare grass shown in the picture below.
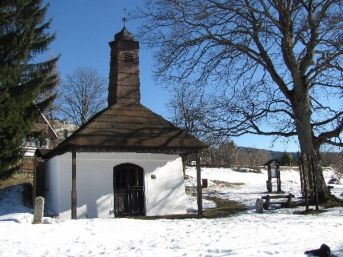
(224, 207)
(17, 178)
(227, 184)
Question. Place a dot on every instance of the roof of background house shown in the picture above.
(43, 126)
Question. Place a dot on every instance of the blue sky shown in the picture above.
(83, 29)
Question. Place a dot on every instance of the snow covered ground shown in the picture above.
(247, 187)
(273, 233)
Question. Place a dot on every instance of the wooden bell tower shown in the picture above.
(124, 86)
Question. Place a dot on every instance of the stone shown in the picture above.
(38, 210)
(259, 205)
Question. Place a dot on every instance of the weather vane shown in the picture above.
(124, 19)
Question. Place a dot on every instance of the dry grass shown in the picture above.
(224, 208)
(16, 179)
(227, 184)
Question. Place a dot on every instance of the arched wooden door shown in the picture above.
(128, 187)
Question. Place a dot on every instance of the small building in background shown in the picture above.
(63, 129)
(42, 136)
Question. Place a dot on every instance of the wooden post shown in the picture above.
(269, 181)
(278, 178)
(199, 189)
(183, 157)
(289, 200)
(267, 202)
(34, 179)
(204, 183)
(73, 187)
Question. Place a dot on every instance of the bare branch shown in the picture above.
(326, 136)
(267, 67)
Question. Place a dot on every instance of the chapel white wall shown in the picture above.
(164, 195)
(52, 181)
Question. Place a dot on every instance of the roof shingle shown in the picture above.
(129, 127)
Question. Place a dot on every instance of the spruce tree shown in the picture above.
(24, 37)
(286, 159)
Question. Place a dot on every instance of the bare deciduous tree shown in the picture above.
(266, 62)
(82, 95)
(187, 110)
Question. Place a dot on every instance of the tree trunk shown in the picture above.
(303, 125)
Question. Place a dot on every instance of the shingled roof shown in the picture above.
(132, 128)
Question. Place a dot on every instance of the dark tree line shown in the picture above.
(228, 155)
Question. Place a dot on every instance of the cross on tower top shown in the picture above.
(124, 19)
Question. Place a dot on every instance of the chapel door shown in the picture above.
(128, 187)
